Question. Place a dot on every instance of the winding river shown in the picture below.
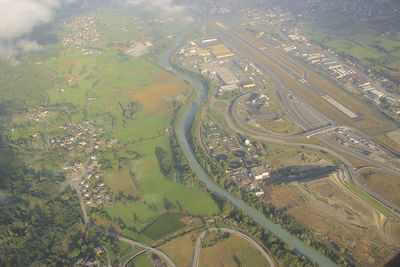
(183, 133)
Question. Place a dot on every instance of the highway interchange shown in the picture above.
(303, 117)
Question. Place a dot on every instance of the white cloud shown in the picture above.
(166, 6)
(19, 17)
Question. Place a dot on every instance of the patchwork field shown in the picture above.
(133, 101)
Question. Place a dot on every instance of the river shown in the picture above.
(183, 134)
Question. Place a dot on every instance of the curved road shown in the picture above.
(195, 261)
(158, 252)
(108, 256)
(299, 119)
(346, 162)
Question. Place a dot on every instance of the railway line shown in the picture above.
(302, 115)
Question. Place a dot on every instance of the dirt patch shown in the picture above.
(155, 95)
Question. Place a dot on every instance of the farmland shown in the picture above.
(181, 249)
(164, 225)
(132, 101)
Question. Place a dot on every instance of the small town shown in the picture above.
(85, 174)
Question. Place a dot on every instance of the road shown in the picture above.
(350, 169)
(108, 256)
(195, 261)
(135, 256)
(301, 119)
(302, 113)
(158, 252)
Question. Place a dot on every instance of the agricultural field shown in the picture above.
(234, 251)
(142, 261)
(164, 225)
(364, 40)
(181, 249)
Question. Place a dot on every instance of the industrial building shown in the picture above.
(260, 172)
(220, 51)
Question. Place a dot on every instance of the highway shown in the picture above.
(299, 117)
(195, 261)
(350, 169)
(302, 113)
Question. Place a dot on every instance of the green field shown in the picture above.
(156, 189)
(142, 261)
(164, 225)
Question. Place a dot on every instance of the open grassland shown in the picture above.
(121, 181)
(164, 225)
(389, 142)
(181, 249)
(234, 251)
(396, 231)
(385, 184)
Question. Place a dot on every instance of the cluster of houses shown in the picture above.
(82, 137)
(266, 15)
(93, 190)
(90, 262)
(243, 161)
(37, 114)
(82, 30)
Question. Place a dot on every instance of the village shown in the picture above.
(82, 31)
(84, 143)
